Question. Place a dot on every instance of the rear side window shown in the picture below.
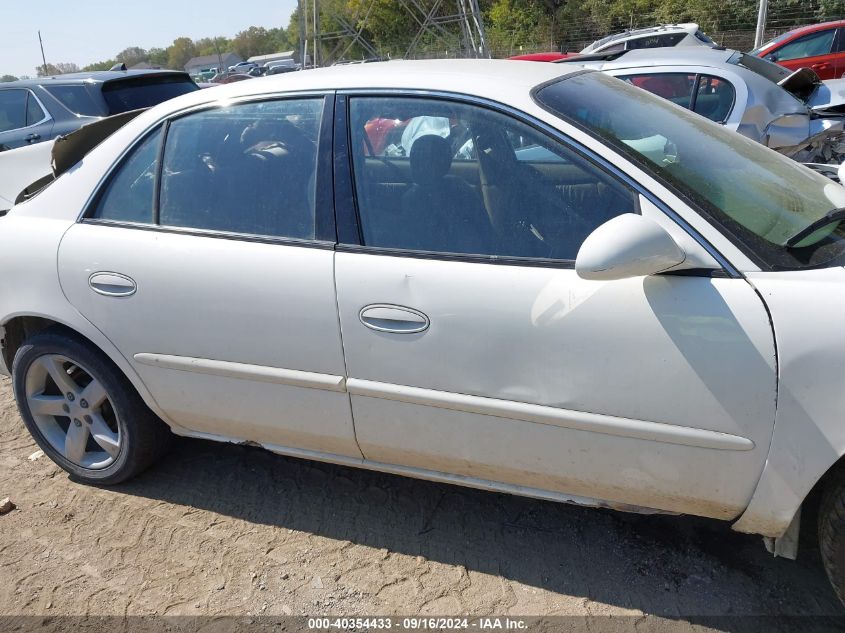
(12, 109)
(129, 196)
(34, 113)
(656, 41)
(77, 99)
(247, 169)
(143, 92)
(811, 45)
(709, 96)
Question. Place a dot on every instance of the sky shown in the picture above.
(87, 31)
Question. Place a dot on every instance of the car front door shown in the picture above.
(23, 120)
(475, 352)
(815, 50)
(207, 258)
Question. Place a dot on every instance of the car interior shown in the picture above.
(444, 177)
(245, 169)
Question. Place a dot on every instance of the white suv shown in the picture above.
(661, 36)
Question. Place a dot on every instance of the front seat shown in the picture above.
(441, 212)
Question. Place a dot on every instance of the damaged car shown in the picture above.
(792, 112)
(562, 287)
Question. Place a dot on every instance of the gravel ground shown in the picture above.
(224, 529)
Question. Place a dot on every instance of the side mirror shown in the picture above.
(629, 245)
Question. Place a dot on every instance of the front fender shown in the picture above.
(807, 310)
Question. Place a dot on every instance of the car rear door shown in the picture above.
(475, 352)
(207, 258)
(23, 119)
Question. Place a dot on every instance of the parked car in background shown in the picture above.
(798, 116)
(665, 35)
(37, 110)
(649, 320)
(242, 67)
(819, 46)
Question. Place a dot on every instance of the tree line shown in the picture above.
(510, 25)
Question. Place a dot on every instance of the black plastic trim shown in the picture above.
(242, 237)
(346, 215)
(324, 213)
(533, 262)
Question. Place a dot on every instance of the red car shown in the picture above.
(541, 57)
(820, 47)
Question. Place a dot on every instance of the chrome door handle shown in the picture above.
(31, 137)
(112, 284)
(384, 317)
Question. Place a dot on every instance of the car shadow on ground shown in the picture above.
(671, 566)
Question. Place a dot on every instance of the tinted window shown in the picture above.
(144, 92)
(446, 177)
(129, 195)
(808, 46)
(839, 46)
(676, 87)
(77, 99)
(760, 197)
(34, 113)
(12, 109)
(709, 96)
(244, 168)
(714, 98)
(656, 41)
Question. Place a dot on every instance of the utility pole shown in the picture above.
(303, 42)
(761, 23)
(43, 58)
(317, 51)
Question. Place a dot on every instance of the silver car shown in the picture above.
(793, 113)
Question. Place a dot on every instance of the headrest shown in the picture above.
(431, 158)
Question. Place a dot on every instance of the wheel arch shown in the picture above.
(17, 328)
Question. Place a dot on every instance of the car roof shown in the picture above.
(689, 27)
(812, 28)
(96, 76)
(486, 78)
(677, 56)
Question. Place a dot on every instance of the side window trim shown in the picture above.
(325, 236)
(351, 238)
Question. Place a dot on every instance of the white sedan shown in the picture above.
(518, 277)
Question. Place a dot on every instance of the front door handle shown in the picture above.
(820, 66)
(112, 284)
(29, 138)
(385, 317)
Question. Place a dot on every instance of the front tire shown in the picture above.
(82, 411)
(832, 534)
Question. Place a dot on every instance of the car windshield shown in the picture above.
(143, 92)
(760, 198)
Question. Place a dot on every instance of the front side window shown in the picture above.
(12, 109)
(447, 177)
(128, 197)
(248, 168)
(811, 45)
(766, 201)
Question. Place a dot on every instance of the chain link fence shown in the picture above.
(731, 23)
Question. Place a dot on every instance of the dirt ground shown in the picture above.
(224, 529)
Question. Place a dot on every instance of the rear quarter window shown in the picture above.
(134, 93)
(78, 99)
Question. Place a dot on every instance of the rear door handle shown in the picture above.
(820, 66)
(385, 317)
(31, 137)
(112, 284)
